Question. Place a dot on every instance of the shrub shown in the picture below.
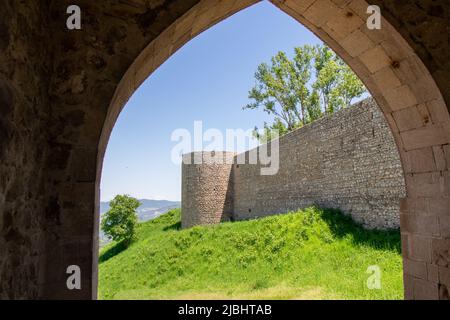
(119, 223)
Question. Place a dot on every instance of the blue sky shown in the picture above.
(208, 79)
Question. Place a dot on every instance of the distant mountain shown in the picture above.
(148, 210)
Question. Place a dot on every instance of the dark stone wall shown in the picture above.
(24, 113)
(87, 66)
(55, 89)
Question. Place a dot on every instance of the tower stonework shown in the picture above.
(206, 188)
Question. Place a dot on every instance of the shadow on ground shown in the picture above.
(343, 226)
(173, 227)
(113, 251)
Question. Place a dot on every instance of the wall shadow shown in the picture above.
(343, 226)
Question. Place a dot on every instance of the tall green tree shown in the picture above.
(119, 223)
(274, 90)
(300, 90)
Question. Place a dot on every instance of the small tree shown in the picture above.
(119, 223)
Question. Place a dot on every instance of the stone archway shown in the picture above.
(123, 44)
(400, 83)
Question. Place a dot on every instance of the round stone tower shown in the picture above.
(206, 188)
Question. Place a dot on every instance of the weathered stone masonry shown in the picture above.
(348, 161)
(207, 188)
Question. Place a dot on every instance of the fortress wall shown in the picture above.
(347, 160)
(206, 188)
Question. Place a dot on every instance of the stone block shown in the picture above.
(405, 245)
(203, 20)
(359, 7)
(438, 110)
(444, 226)
(407, 119)
(395, 51)
(356, 43)
(423, 137)
(433, 273)
(299, 6)
(343, 24)
(405, 205)
(440, 206)
(420, 248)
(408, 283)
(446, 181)
(425, 290)
(420, 225)
(439, 158)
(375, 59)
(421, 160)
(444, 276)
(446, 149)
(400, 98)
(415, 268)
(342, 3)
(425, 114)
(320, 12)
(441, 252)
(386, 79)
(184, 25)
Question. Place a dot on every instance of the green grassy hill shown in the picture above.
(310, 254)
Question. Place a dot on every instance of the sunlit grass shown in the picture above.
(309, 254)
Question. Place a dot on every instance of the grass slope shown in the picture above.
(310, 254)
